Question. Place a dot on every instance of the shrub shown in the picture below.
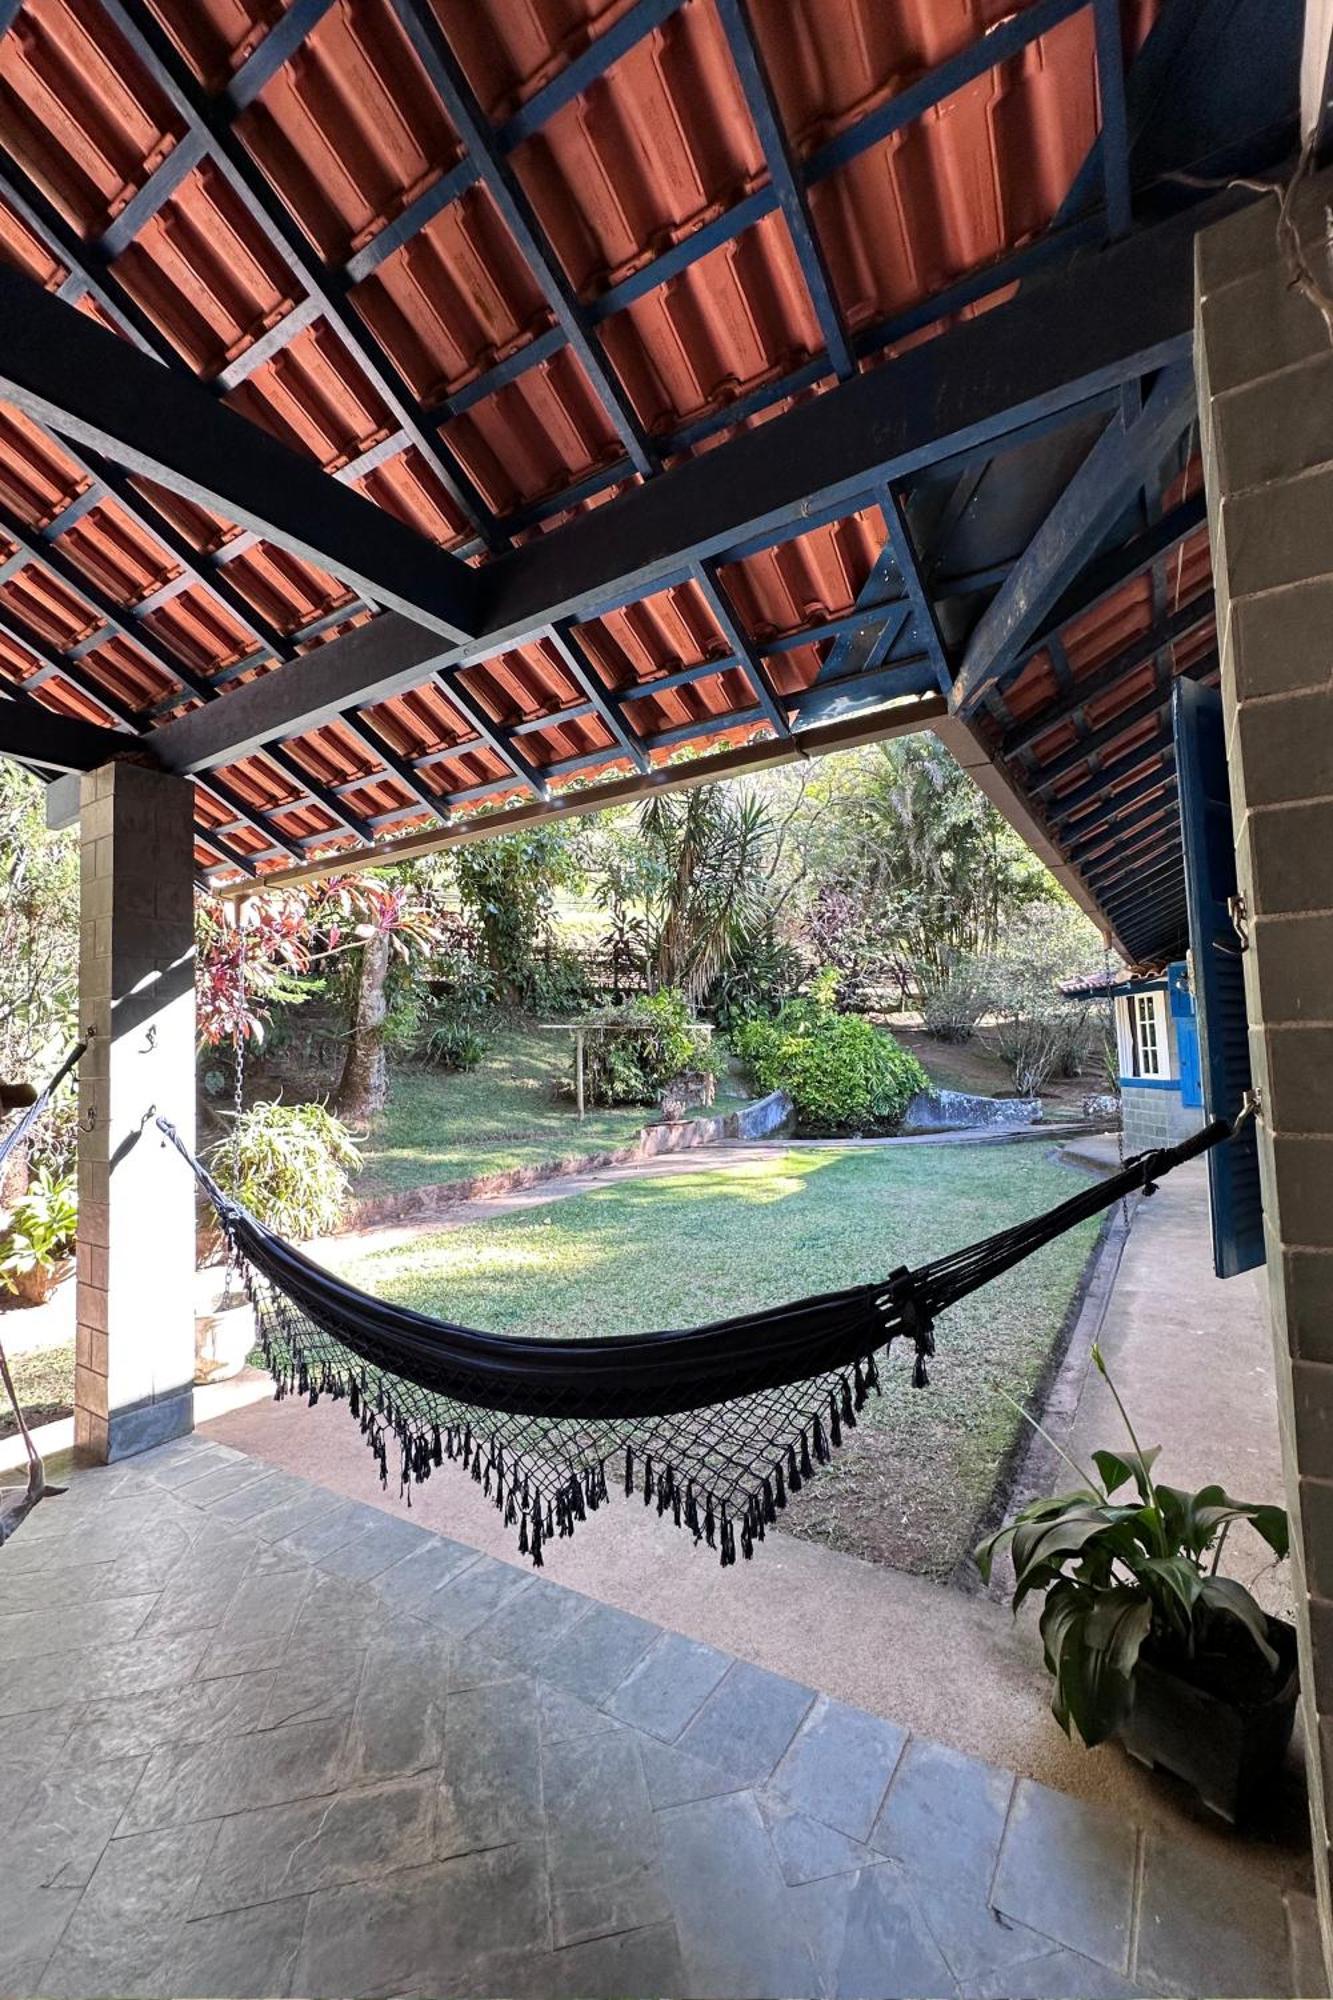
(841, 1073)
(38, 1233)
(660, 1039)
(951, 1010)
(289, 1164)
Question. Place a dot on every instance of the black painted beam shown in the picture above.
(67, 372)
(33, 734)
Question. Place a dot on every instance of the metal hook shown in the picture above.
(151, 1042)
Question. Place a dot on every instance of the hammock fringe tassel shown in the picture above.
(717, 1425)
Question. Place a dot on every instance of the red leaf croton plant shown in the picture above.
(1131, 1577)
(252, 954)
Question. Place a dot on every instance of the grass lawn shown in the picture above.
(43, 1383)
(439, 1127)
(673, 1251)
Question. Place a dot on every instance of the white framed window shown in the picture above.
(1142, 1034)
(1148, 1043)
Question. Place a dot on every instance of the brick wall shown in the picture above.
(1264, 361)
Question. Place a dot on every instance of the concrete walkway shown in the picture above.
(261, 1740)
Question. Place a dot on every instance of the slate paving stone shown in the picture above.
(747, 1722)
(869, 1938)
(427, 1930)
(192, 1466)
(602, 1847)
(224, 1481)
(155, 1543)
(104, 1621)
(185, 1782)
(635, 1965)
(564, 1717)
(397, 1725)
(384, 1542)
(260, 1496)
(65, 1822)
(595, 1655)
(669, 1685)
(838, 1766)
(31, 1924)
(463, 1603)
(943, 1820)
(290, 1850)
(1056, 1975)
(1195, 1909)
(406, 1584)
(316, 1678)
(317, 1538)
(808, 1851)
(741, 1933)
(531, 1622)
(32, 1743)
(257, 1623)
(675, 1778)
(45, 1590)
(490, 1787)
(399, 1801)
(304, 1507)
(129, 1914)
(190, 1714)
(1066, 1869)
(244, 1952)
(136, 1666)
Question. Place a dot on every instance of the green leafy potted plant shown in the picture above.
(37, 1237)
(1146, 1642)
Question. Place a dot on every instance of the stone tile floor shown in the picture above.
(260, 1739)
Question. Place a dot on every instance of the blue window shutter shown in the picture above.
(1219, 982)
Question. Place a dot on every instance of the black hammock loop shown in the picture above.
(716, 1424)
(18, 1133)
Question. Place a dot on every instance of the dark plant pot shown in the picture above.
(1229, 1750)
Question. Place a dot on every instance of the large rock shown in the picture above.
(952, 1110)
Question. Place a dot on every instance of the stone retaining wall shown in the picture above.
(759, 1120)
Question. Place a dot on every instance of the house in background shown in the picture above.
(1157, 1052)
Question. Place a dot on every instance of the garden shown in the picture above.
(851, 934)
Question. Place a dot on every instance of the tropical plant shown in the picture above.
(945, 872)
(450, 1042)
(289, 1164)
(842, 1073)
(507, 886)
(37, 1233)
(646, 1044)
(39, 961)
(1130, 1579)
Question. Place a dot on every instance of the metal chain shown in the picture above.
(232, 1281)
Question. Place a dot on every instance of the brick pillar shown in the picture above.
(1265, 371)
(135, 1345)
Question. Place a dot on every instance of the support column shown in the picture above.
(134, 1373)
(1264, 361)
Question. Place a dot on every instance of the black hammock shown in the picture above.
(18, 1132)
(716, 1423)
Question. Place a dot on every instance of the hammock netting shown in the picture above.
(716, 1424)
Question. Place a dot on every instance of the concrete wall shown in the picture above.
(1264, 361)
